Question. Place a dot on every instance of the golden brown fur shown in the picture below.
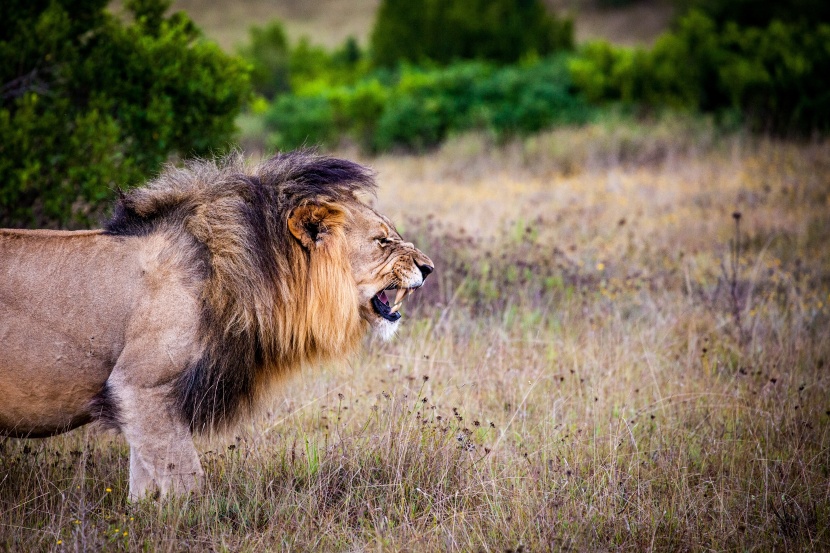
(206, 286)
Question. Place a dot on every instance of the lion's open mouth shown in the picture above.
(383, 307)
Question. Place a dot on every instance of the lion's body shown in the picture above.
(62, 326)
(206, 287)
(86, 318)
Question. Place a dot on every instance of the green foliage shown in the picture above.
(522, 100)
(300, 120)
(277, 67)
(269, 56)
(446, 30)
(359, 107)
(603, 72)
(760, 13)
(427, 104)
(419, 107)
(88, 104)
(776, 76)
(314, 66)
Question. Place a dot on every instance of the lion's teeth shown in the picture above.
(402, 292)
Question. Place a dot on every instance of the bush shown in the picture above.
(269, 56)
(523, 100)
(425, 105)
(443, 31)
(88, 104)
(359, 107)
(299, 121)
(411, 123)
(315, 66)
(755, 13)
(776, 76)
(420, 107)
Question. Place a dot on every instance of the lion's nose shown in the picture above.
(425, 269)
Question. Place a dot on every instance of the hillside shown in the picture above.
(329, 22)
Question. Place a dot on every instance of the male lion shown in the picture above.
(206, 286)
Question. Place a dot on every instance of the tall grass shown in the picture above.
(574, 375)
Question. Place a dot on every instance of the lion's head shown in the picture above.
(384, 268)
(387, 269)
(294, 267)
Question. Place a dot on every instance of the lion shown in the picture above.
(206, 287)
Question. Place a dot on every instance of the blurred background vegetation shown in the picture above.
(97, 95)
(90, 102)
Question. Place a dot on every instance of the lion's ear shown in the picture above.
(313, 224)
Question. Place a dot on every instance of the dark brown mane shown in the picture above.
(256, 292)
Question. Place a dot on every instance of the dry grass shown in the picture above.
(587, 370)
(325, 22)
(638, 23)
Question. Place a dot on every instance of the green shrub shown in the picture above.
(348, 54)
(278, 67)
(681, 69)
(760, 13)
(522, 100)
(297, 121)
(358, 108)
(89, 104)
(503, 31)
(269, 56)
(591, 71)
(411, 123)
(777, 76)
(425, 105)
(420, 107)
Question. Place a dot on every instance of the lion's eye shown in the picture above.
(382, 241)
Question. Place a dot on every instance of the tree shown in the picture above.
(445, 30)
(89, 103)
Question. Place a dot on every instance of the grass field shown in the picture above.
(605, 359)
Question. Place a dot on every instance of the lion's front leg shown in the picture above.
(163, 458)
(161, 338)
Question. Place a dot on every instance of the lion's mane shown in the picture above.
(268, 304)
